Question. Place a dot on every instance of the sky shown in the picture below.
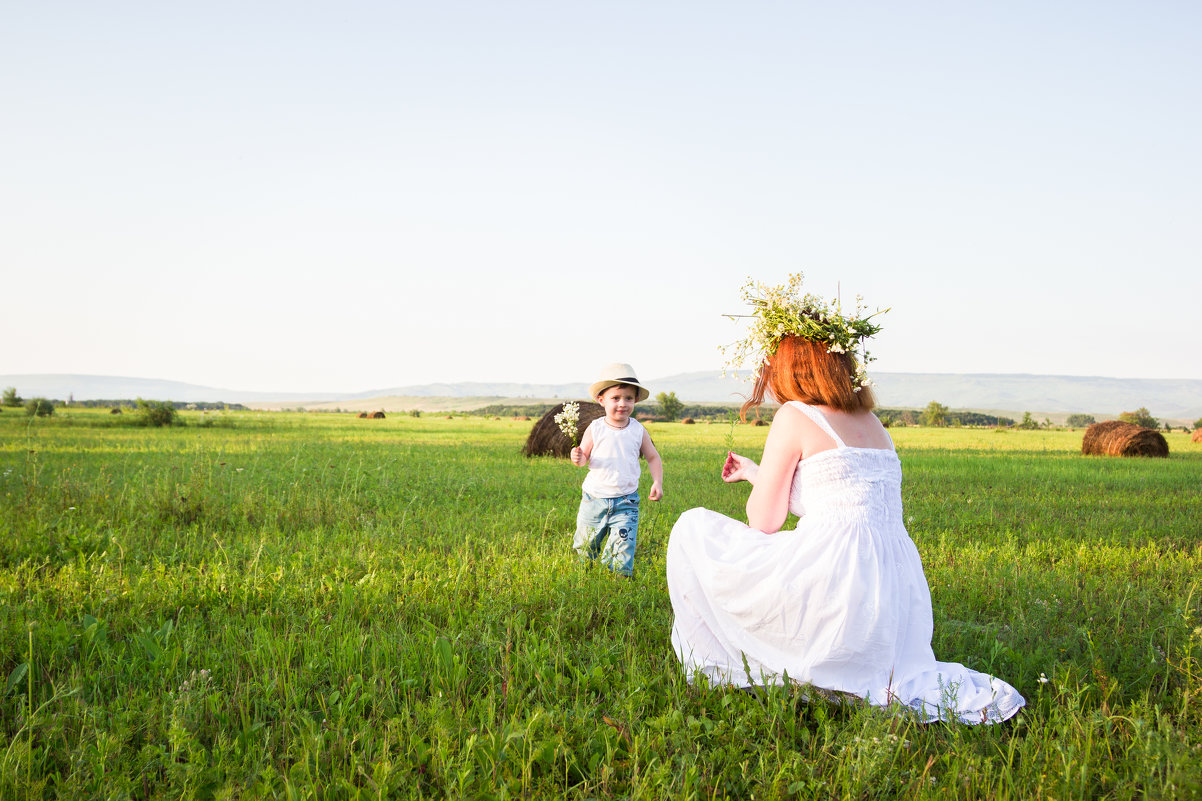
(320, 196)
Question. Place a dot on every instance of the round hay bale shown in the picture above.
(688, 421)
(759, 421)
(362, 415)
(377, 415)
(547, 440)
(115, 410)
(1116, 438)
(1196, 436)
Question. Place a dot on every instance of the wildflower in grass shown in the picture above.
(1043, 679)
(730, 433)
(568, 421)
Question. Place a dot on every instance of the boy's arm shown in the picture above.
(582, 453)
(655, 465)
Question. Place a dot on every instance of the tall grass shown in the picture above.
(318, 606)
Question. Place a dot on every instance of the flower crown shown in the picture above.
(783, 311)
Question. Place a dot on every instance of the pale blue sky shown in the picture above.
(354, 195)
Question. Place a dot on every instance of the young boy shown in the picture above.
(607, 524)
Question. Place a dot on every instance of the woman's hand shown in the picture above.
(739, 468)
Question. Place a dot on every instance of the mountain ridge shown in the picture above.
(1171, 399)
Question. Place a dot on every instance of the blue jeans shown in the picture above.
(608, 528)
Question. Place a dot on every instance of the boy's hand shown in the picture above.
(657, 491)
(578, 457)
(738, 468)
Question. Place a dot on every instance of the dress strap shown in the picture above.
(820, 420)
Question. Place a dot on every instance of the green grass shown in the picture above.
(318, 606)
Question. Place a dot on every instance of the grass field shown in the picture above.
(319, 606)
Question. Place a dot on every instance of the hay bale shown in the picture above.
(688, 421)
(115, 410)
(377, 415)
(547, 440)
(1197, 435)
(1116, 438)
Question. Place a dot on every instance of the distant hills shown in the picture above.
(1175, 400)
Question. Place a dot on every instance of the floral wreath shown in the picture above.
(782, 311)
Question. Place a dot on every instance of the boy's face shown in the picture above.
(618, 403)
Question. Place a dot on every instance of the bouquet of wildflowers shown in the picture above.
(568, 421)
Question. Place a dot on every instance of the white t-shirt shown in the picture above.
(613, 467)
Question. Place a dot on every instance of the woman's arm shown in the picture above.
(768, 505)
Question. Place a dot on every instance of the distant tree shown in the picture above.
(935, 414)
(669, 405)
(11, 398)
(1080, 420)
(1028, 422)
(1140, 417)
(39, 406)
(1198, 423)
(158, 413)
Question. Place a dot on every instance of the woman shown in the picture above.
(841, 602)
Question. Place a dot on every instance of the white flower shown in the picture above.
(568, 421)
(1043, 679)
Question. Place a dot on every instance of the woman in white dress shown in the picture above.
(841, 602)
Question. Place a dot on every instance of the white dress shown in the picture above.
(839, 603)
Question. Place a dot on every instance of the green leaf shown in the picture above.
(16, 677)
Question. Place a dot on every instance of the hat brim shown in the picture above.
(641, 394)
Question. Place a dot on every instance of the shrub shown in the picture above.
(1140, 417)
(669, 405)
(158, 413)
(39, 406)
(11, 398)
(1080, 420)
(935, 414)
(1028, 422)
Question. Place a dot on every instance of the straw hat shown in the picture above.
(618, 373)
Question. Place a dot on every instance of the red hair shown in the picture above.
(803, 370)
